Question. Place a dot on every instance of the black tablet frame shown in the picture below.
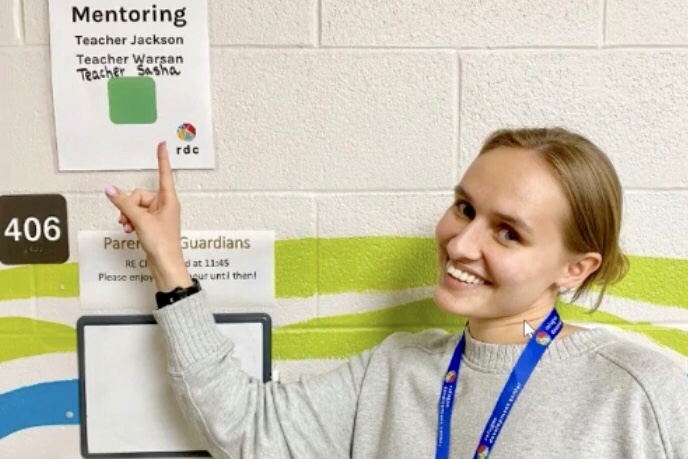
(147, 319)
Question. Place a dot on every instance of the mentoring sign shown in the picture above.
(127, 75)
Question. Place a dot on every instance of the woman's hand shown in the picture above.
(155, 216)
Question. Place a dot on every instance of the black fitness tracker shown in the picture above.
(167, 298)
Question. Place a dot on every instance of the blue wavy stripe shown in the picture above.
(45, 404)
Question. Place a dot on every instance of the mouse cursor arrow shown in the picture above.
(527, 329)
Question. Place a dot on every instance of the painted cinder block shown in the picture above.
(333, 120)
(638, 22)
(291, 217)
(27, 112)
(653, 223)
(274, 22)
(381, 214)
(36, 29)
(10, 22)
(447, 23)
(631, 103)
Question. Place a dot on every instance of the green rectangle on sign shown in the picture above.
(132, 100)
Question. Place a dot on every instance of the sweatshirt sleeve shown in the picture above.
(242, 417)
(665, 387)
(668, 391)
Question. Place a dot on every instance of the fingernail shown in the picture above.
(111, 192)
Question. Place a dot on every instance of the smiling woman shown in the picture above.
(537, 213)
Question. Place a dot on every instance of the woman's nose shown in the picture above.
(465, 243)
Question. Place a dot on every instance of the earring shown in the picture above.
(563, 289)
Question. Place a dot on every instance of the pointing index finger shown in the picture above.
(166, 179)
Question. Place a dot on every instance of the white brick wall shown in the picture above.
(10, 22)
(653, 222)
(632, 103)
(36, 21)
(450, 23)
(381, 214)
(247, 22)
(324, 120)
(639, 22)
(339, 118)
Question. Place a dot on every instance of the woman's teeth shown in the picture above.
(463, 276)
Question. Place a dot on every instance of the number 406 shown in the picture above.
(33, 230)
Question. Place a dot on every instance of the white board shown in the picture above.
(126, 401)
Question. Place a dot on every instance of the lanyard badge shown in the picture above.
(528, 360)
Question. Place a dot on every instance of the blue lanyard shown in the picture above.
(536, 347)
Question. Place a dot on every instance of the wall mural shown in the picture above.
(651, 304)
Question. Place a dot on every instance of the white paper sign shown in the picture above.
(127, 75)
(235, 268)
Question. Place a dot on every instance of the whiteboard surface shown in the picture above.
(129, 404)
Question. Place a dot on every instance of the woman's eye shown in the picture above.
(508, 234)
(465, 209)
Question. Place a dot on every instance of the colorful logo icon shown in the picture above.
(450, 377)
(186, 132)
(483, 451)
(542, 338)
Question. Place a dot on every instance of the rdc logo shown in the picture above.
(186, 132)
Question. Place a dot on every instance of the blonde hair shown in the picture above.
(592, 189)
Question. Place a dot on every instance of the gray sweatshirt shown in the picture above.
(593, 395)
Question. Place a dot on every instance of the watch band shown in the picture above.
(167, 298)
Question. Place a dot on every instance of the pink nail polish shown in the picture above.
(110, 191)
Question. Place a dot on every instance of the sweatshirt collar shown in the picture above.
(490, 356)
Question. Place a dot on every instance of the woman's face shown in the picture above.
(503, 236)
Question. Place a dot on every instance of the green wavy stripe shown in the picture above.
(296, 268)
(305, 267)
(655, 280)
(350, 334)
(327, 337)
(665, 336)
(376, 264)
(29, 281)
(395, 263)
(22, 337)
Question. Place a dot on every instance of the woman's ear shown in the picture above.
(579, 268)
